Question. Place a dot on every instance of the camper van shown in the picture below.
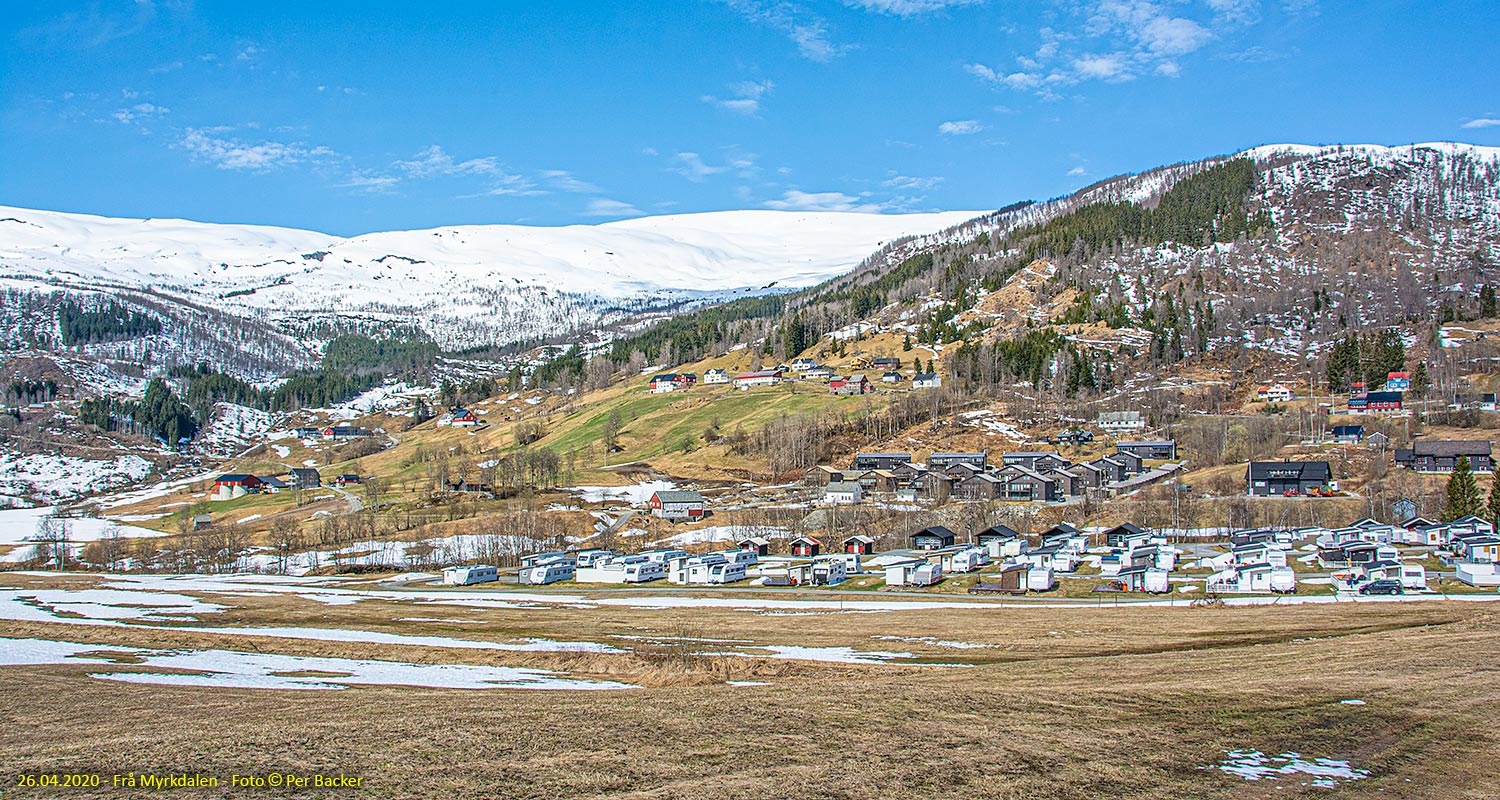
(549, 572)
(467, 575)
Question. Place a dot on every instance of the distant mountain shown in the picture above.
(464, 285)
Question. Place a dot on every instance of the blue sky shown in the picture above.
(350, 117)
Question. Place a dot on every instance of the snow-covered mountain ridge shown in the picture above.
(464, 284)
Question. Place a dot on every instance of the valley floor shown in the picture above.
(749, 696)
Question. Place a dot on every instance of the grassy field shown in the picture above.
(1061, 703)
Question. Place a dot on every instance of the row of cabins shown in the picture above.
(1020, 477)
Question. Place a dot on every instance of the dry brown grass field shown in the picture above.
(1085, 702)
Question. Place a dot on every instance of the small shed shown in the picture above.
(806, 547)
(932, 538)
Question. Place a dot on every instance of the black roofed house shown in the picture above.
(1164, 449)
(996, 533)
(674, 505)
(272, 484)
(1348, 434)
(932, 538)
(1024, 458)
(308, 433)
(1276, 478)
(1060, 529)
(880, 460)
(1403, 457)
(1442, 456)
(305, 478)
(1120, 534)
(1378, 439)
(337, 432)
(886, 363)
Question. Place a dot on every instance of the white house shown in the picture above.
(1274, 393)
(1119, 421)
(716, 376)
(751, 380)
(926, 380)
(676, 505)
(470, 574)
(843, 493)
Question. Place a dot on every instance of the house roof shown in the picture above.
(906, 456)
(925, 376)
(1000, 530)
(806, 540)
(860, 537)
(842, 486)
(1449, 449)
(1348, 430)
(235, 477)
(935, 530)
(668, 496)
(975, 454)
(758, 541)
(1290, 470)
(1157, 443)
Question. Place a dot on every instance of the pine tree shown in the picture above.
(1463, 492)
(1487, 306)
(1419, 381)
(906, 343)
(1493, 509)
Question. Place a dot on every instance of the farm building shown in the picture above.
(228, 487)
(1375, 402)
(752, 380)
(1274, 393)
(339, 432)
(676, 506)
(891, 377)
(850, 385)
(462, 418)
(715, 376)
(1116, 421)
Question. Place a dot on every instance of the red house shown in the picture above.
(859, 543)
(806, 546)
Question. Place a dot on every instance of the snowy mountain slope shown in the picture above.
(491, 283)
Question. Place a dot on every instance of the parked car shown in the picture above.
(1382, 587)
(1293, 493)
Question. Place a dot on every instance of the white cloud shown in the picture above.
(435, 161)
(797, 200)
(139, 114)
(908, 8)
(1118, 40)
(909, 183)
(961, 127)
(1104, 67)
(745, 99)
(231, 154)
(805, 29)
(1482, 122)
(565, 181)
(692, 167)
(370, 184)
(605, 207)
(1077, 172)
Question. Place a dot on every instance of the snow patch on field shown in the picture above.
(636, 494)
(226, 669)
(1253, 765)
